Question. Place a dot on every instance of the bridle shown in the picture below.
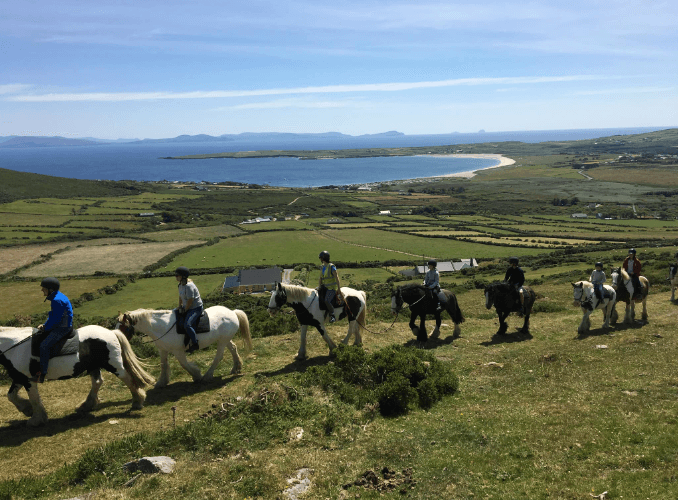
(127, 328)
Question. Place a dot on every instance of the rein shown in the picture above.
(152, 340)
(2, 353)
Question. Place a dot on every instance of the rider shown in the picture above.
(59, 322)
(432, 283)
(330, 280)
(632, 266)
(598, 278)
(516, 277)
(189, 302)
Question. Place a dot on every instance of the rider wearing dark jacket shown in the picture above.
(632, 266)
(516, 277)
(59, 322)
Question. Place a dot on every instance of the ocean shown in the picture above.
(143, 161)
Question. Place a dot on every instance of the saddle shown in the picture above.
(202, 325)
(336, 302)
(69, 344)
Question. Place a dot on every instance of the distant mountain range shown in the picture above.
(40, 141)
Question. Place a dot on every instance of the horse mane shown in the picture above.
(499, 285)
(297, 293)
(624, 274)
(143, 314)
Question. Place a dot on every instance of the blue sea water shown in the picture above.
(144, 161)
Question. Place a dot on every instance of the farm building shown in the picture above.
(252, 280)
(443, 267)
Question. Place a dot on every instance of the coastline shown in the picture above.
(503, 162)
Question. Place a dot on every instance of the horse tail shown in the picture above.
(362, 315)
(244, 327)
(132, 364)
(457, 316)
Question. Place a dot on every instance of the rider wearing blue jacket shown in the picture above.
(59, 322)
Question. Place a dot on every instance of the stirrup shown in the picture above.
(332, 318)
(38, 378)
(192, 348)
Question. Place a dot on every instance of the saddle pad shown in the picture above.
(66, 346)
(203, 325)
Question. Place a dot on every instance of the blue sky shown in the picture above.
(151, 69)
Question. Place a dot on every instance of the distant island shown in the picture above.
(44, 142)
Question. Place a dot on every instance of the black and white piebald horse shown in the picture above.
(421, 302)
(673, 279)
(505, 300)
(161, 327)
(98, 349)
(585, 297)
(621, 282)
(306, 305)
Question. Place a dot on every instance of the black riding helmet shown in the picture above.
(50, 283)
(324, 256)
(513, 260)
(599, 264)
(182, 271)
(433, 263)
(632, 251)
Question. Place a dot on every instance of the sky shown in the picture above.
(154, 69)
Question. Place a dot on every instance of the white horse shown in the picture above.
(306, 305)
(585, 297)
(625, 294)
(161, 327)
(98, 348)
(673, 279)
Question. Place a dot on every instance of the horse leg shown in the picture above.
(93, 397)
(413, 326)
(422, 336)
(164, 370)
(22, 404)
(192, 369)
(606, 315)
(630, 312)
(614, 315)
(503, 325)
(436, 331)
(237, 362)
(644, 308)
(328, 340)
(301, 355)
(526, 324)
(585, 323)
(39, 416)
(221, 347)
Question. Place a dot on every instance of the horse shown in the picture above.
(585, 297)
(97, 348)
(160, 325)
(306, 305)
(422, 303)
(504, 298)
(673, 279)
(623, 295)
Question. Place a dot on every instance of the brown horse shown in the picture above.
(623, 294)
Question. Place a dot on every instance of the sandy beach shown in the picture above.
(503, 161)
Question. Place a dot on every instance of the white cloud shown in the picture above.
(13, 88)
(327, 89)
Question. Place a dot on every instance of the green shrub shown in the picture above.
(397, 378)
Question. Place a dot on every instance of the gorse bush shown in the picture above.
(397, 378)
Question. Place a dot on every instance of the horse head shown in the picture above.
(278, 299)
(615, 272)
(578, 292)
(126, 325)
(490, 293)
(396, 301)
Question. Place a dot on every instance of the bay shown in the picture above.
(144, 161)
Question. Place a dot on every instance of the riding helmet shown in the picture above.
(432, 262)
(324, 256)
(50, 283)
(599, 264)
(182, 271)
(632, 251)
(513, 260)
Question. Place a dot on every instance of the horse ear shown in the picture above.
(279, 286)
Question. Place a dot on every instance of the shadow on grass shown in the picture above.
(595, 332)
(175, 391)
(16, 432)
(296, 366)
(431, 343)
(507, 338)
